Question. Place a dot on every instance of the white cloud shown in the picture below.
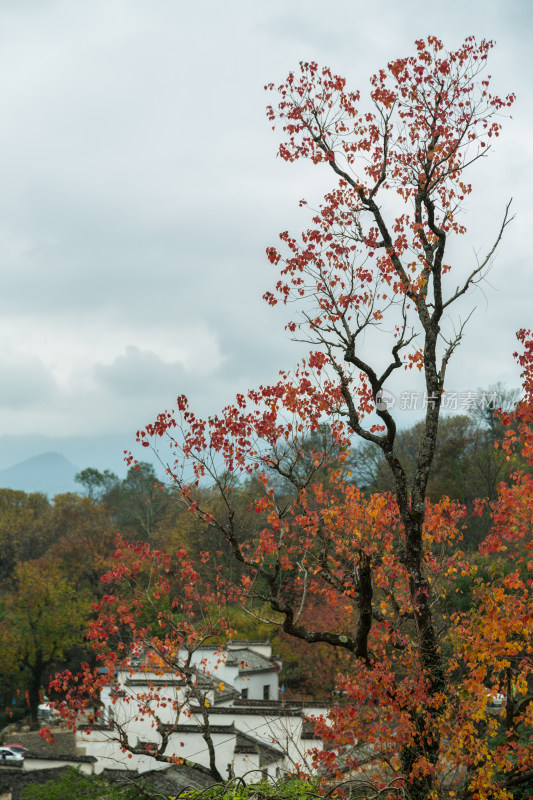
(26, 382)
(140, 189)
(139, 373)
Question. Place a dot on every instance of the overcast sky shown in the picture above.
(140, 188)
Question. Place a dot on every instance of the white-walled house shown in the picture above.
(248, 667)
(254, 733)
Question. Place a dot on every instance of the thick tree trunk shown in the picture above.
(427, 740)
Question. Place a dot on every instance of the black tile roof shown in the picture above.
(249, 661)
(59, 757)
(261, 710)
(195, 728)
(248, 745)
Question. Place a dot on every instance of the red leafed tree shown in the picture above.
(494, 646)
(371, 276)
(377, 292)
(155, 615)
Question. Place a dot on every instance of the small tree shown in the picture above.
(44, 618)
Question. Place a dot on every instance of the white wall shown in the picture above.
(167, 703)
(195, 748)
(100, 744)
(108, 753)
(247, 766)
(255, 681)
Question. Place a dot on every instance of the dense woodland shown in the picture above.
(54, 552)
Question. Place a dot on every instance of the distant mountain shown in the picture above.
(102, 451)
(49, 473)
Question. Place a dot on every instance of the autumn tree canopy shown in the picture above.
(42, 619)
(377, 289)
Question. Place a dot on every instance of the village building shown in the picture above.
(254, 731)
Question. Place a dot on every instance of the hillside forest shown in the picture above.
(53, 552)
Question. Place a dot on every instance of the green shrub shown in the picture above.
(289, 789)
(72, 784)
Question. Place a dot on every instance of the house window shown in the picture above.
(266, 692)
(244, 694)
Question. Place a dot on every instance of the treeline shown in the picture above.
(53, 553)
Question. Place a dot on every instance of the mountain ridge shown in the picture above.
(50, 473)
